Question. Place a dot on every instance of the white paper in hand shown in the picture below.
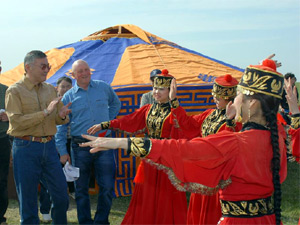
(71, 172)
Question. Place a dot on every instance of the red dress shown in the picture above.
(232, 161)
(154, 200)
(294, 132)
(206, 209)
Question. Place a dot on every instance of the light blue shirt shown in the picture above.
(97, 104)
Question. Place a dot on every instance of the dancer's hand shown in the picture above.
(291, 96)
(102, 144)
(173, 89)
(94, 129)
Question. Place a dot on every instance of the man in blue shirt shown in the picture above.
(93, 102)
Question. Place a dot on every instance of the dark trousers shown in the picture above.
(105, 168)
(5, 150)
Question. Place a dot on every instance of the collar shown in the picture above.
(252, 125)
(29, 84)
(77, 88)
(166, 104)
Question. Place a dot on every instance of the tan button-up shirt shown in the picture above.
(25, 104)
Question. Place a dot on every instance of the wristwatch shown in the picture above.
(46, 112)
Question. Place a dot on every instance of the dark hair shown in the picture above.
(270, 105)
(31, 56)
(154, 73)
(289, 75)
(69, 80)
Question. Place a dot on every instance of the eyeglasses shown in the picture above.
(44, 66)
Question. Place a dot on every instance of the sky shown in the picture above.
(237, 32)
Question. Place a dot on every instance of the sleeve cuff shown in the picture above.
(139, 147)
(174, 103)
(105, 125)
(295, 121)
(230, 123)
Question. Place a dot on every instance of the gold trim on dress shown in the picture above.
(213, 122)
(137, 147)
(295, 122)
(189, 186)
(105, 125)
(157, 115)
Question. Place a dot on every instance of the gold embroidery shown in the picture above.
(162, 82)
(261, 81)
(189, 186)
(156, 118)
(174, 103)
(275, 86)
(213, 122)
(137, 147)
(256, 207)
(223, 92)
(295, 122)
(236, 210)
(105, 125)
(247, 77)
(253, 208)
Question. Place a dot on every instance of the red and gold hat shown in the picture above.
(225, 87)
(262, 79)
(163, 80)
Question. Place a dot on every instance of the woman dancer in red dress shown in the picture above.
(153, 192)
(206, 209)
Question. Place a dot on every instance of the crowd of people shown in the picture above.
(213, 155)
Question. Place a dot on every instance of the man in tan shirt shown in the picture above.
(34, 110)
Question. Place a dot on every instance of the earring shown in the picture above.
(249, 114)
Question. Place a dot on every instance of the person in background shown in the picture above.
(63, 84)
(34, 110)
(294, 131)
(292, 100)
(4, 154)
(247, 167)
(93, 102)
(154, 199)
(284, 111)
(148, 98)
(204, 209)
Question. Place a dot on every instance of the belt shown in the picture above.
(79, 140)
(43, 139)
(247, 209)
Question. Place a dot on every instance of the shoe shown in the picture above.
(72, 195)
(46, 218)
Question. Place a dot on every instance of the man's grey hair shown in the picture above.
(31, 56)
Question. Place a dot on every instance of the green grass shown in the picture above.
(291, 195)
(290, 203)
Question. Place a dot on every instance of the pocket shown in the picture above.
(20, 143)
(102, 105)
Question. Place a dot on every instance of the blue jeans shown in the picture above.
(105, 168)
(45, 200)
(31, 160)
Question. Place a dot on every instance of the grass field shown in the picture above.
(290, 203)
